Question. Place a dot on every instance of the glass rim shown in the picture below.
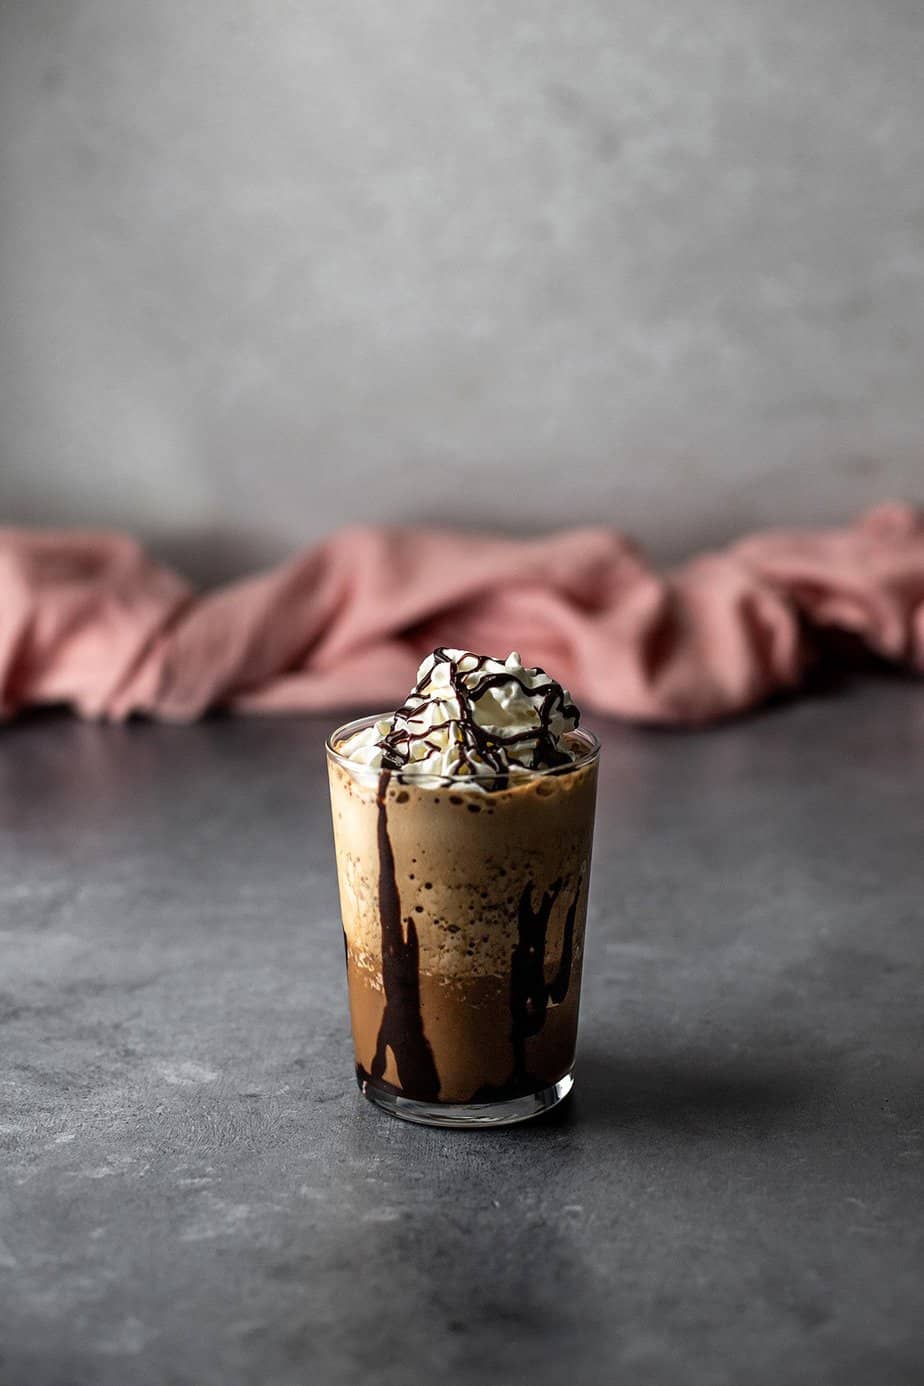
(522, 772)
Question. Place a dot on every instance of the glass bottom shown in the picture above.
(471, 1115)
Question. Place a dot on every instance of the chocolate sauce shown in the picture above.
(477, 746)
(558, 987)
(529, 993)
(401, 1029)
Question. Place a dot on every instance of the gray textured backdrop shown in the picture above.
(267, 267)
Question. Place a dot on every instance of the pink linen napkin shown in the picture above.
(90, 620)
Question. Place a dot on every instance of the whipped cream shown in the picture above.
(471, 715)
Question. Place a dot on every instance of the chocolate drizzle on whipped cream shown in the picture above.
(470, 715)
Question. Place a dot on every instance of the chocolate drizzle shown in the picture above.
(401, 1029)
(558, 987)
(530, 994)
(477, 746)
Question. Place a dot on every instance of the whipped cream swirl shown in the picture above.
(471, 715)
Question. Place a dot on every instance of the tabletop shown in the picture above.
(193, 1193)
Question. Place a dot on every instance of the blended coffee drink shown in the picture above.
(463, 826)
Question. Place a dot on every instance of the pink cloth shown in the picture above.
(90, 620)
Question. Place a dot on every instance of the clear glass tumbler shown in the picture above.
(464, 901)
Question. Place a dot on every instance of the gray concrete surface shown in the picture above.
(268, 267)
(192, 1193)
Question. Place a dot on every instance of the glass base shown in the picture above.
(471, 1114)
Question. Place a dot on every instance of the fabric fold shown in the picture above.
(90, 620)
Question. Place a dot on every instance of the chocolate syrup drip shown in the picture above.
(478, 746)
(401, 1029)
(364, 1077)
(558, 987)
(529, 993)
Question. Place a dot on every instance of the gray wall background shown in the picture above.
(269, 267)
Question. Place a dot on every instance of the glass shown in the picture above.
(464, 901)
